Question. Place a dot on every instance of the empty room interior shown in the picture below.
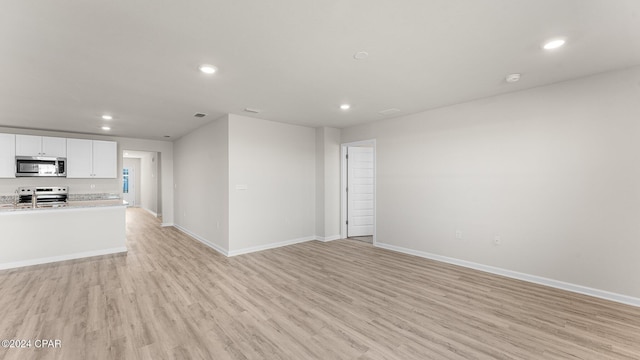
(438, 179)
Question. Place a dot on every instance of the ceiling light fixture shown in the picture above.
(513, 78)
(107, 117)
(345, 106)
(361, 55)
(554, 44)
(207, 69)
(105, 128)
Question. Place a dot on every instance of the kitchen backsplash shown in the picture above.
(7, 199)
(76, 186)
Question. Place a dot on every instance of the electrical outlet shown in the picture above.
(497, 240)
(458, 234)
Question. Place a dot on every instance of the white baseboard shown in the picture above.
(167, 224)
(202, 240)
(270, 246)
(150, 212)
(602, 294)
(52, 259)
(245, 250)
(328, 238)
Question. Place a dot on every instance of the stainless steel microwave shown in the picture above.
(41, 166)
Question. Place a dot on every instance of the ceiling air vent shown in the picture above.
(389, 111)
(199, 115)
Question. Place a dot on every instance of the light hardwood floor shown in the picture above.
(172, 297)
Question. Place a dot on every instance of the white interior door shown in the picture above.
(360, 187)
(129, 185)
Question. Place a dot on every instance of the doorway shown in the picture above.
(129, 181)
(358, 184)
(141, 185)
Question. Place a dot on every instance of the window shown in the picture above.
(125, 181)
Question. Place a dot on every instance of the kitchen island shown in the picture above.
(30, 236)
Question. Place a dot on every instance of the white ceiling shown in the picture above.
(64, 63)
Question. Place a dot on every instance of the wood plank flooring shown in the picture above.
(171, 297)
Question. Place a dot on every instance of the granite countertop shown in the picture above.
(76, 204)
(97, 203)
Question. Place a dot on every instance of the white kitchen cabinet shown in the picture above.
(105, 159)
(27, 145)
(79, 158)
(54, 146)
(92, 159)
(7, 156)
(30, 145)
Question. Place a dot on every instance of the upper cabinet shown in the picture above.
(92, 159)
(79, 158)
(29, 145)
(105, 159)
(7, 156)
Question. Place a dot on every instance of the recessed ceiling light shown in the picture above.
(199, 115)
(345, 106)
(361, 55)
(252, 110)
(207, 69)
(554, 44)
(126, 154)
(107, 117)
(513, 78)
(105, 128)
(167, 136)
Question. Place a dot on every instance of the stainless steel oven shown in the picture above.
(43, 196)
(41, 166)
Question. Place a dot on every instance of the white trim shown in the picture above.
(602, 294)
(150, 212)
(343, 186)
(328, 238)
(167, 224)
(52, 259)
(270, 246)
(202, 240)
(343, 193)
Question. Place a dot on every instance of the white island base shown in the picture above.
(39, 236)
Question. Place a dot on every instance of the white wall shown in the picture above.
(276, 162)
(202, 183)
(84, 186)
(327, 183)
(320, 188)
(149, 182)
(554, 171)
